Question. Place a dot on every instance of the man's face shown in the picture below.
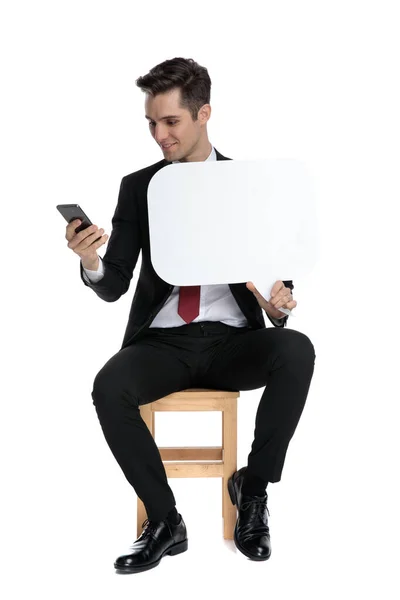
(187, 136)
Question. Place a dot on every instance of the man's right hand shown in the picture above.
(84, 244)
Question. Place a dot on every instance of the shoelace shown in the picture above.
(148, 526)
(261, 506)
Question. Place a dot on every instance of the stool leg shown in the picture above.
(229, 445)
(147, 415)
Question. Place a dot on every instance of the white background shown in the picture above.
(312, 80)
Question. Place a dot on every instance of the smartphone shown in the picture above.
(70, 212)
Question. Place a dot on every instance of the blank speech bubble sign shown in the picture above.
(233, 221)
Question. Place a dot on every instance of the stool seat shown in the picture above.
(199, 461)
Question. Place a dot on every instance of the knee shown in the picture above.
(111, 393)
(299, 347)
(101, 387)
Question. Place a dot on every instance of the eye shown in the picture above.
(151, 123)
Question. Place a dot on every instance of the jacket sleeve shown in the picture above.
(281, 322)
(123, 247)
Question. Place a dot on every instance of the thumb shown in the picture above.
(250, 286)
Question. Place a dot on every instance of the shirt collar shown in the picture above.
(212, 156)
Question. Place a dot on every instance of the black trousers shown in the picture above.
(209, 355)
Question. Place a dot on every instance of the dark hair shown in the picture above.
(184, 73)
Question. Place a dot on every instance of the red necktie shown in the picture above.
(189, 302)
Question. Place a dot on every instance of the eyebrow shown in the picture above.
(165, 118)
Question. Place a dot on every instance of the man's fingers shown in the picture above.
(70, 230)
(88, 236)
(281, 296)
(278, 285)
(285, 301)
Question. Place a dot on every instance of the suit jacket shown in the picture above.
(130, 234)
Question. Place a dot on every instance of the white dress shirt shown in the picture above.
(217, 302)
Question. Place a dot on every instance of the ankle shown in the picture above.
(253, 485)
(173, 516)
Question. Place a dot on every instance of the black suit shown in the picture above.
(154, 362)
(130, 234)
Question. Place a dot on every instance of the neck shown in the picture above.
(200, 154)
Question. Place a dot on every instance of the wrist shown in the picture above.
(275, 313)
(91, 264)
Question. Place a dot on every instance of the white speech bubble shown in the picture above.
(233, 221)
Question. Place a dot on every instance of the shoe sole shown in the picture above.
(172, 550)
(233, 497)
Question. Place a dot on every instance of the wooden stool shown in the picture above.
(222, 459)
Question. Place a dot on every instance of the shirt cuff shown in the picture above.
(94, 276)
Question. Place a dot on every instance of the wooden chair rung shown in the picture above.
(191, 453)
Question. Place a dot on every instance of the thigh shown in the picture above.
(247, 358)
(143, 372)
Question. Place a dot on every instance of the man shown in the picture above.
(176, 338)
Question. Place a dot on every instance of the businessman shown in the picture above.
(211, 336)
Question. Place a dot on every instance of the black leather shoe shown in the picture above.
(157, 539)
(251, 534)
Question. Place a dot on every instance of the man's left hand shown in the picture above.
(281, 297)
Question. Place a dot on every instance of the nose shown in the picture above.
(160, 135)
